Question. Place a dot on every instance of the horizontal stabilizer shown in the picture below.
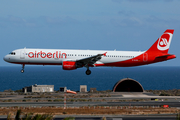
(163, 56)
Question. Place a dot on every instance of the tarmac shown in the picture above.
(112, 117)
(114, 95)
(153, 100)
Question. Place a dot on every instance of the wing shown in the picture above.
(89, 61)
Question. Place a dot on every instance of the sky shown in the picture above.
(129, 25)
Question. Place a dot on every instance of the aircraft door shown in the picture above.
(22, 54)
(145, 57)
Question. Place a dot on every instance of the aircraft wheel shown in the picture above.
(22, 71)
(88, 72)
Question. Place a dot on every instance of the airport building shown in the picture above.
(128, 85)
(62, 89)
(83, 88)
(39, 88)
(123, 85)
(93, 90)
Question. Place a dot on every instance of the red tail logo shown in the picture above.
(164, 41)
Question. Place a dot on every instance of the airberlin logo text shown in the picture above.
(42, 54)
(164, 41)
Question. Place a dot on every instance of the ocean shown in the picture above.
(101, 78)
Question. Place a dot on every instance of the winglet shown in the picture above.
(105, 54)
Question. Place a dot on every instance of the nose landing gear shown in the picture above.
(22, 71)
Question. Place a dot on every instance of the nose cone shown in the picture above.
(5, 58)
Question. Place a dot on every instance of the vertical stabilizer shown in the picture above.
(163, 43)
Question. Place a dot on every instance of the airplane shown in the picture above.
(73, 59)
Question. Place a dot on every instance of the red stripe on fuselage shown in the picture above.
(139, 60)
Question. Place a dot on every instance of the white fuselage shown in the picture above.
(57, 56)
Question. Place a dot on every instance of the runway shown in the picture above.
(172, 101)
(113, 117)
(79, 104)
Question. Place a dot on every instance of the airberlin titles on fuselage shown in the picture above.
(56, 54)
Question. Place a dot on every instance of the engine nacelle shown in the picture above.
(69, 65)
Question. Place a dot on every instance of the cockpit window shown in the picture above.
(12, 53)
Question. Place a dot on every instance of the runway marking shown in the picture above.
(135, 95)
(117, 119)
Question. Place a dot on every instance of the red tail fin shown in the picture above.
(163, 43)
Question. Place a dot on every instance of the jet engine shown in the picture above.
(69, 65)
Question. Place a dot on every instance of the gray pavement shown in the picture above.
(113, 117)
(118, 96)
(78, 104)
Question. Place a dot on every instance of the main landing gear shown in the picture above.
(88, 72)
(22, 71)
